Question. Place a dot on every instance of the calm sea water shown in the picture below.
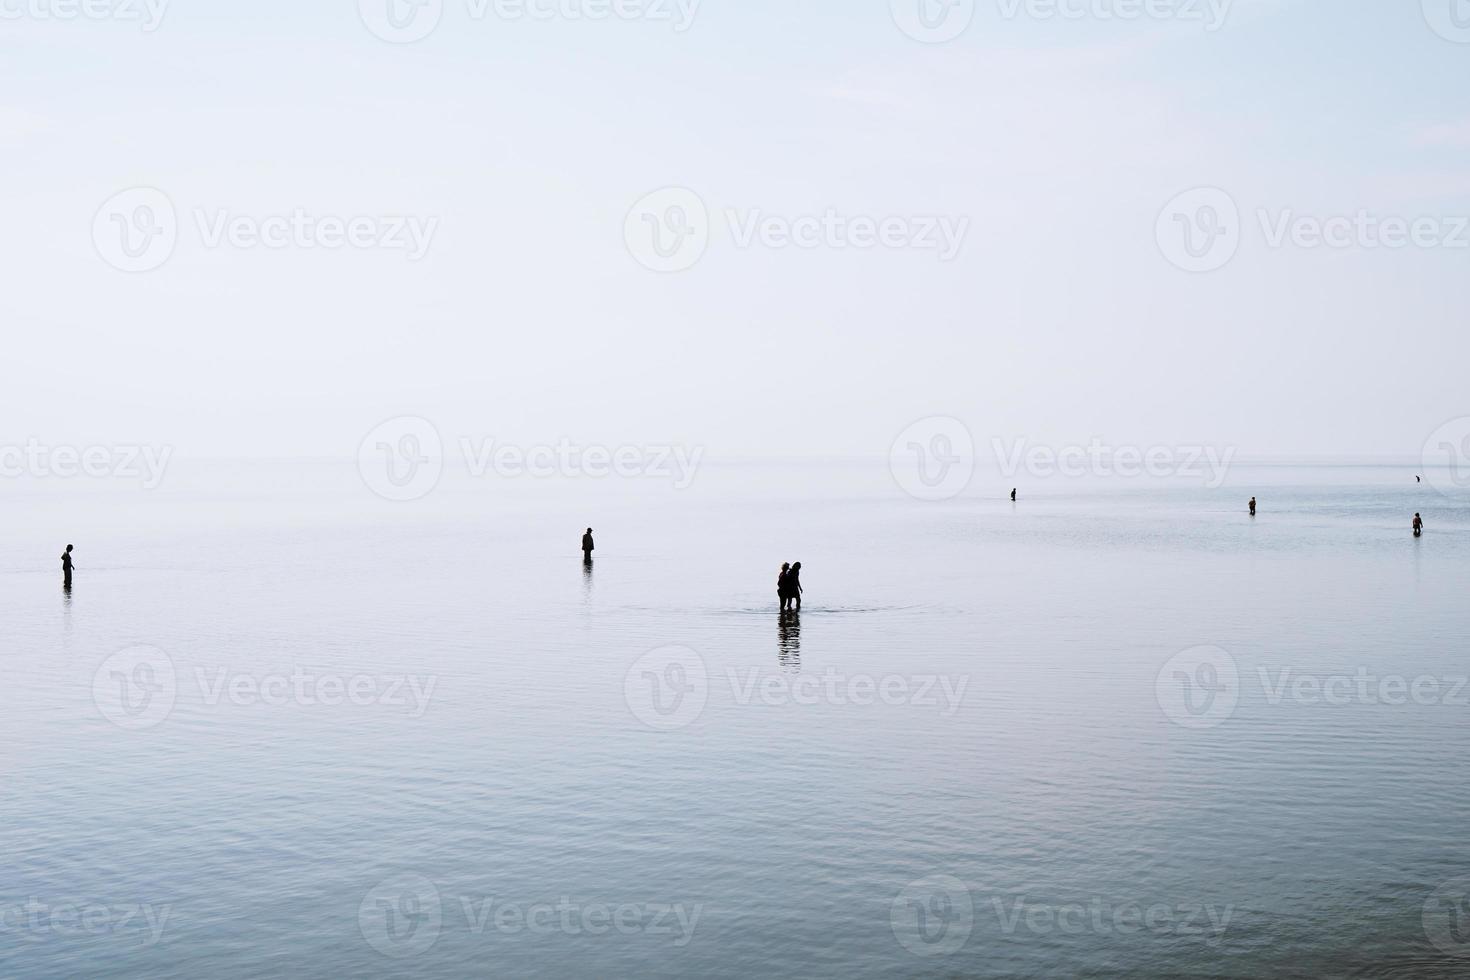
(283, 727)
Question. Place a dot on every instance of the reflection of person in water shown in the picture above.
(789, 649)
(588, 546)
(66, 567)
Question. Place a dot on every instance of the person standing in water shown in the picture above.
(66, 567)
(1013, 496)
(1253, 506)
(588, 546)
(783, 585)
(1418, 525)
(793, 584)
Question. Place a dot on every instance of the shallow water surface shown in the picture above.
(282, 726)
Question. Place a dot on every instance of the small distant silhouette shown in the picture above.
(66, 567)
(793, 584)
(588, 546)
(1253, 506)
(1013, 496)
(1418, 479)
(783, 587)
(1418, 526)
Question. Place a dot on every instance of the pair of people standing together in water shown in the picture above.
(788, 586)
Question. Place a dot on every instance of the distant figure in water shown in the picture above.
(1013, 496)
(1253, 506)
(793, 584)
(1418, 526)
(588, 546)
(783, 585)
(1418, 479)
(66, 567)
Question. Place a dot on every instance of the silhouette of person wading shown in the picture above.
(788, 586)
(588, 546)
(66, 567)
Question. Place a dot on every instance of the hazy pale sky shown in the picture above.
(1057, 139)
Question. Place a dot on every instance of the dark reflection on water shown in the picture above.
(789, 644)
